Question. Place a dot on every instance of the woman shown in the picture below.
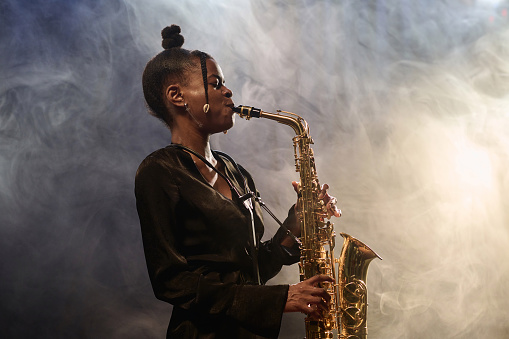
(196, 218)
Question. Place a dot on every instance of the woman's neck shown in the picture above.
(195, 141)
(200, 143)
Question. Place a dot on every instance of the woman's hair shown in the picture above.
(170, 66)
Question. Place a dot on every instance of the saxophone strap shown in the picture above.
(258, 198)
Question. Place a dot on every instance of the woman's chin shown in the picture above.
(230, 123)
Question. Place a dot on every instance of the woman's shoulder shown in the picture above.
(167, 153)
(166, 157)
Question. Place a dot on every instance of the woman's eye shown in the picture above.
(216, 84)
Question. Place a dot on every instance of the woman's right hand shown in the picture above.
(307, 298)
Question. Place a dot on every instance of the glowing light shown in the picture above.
(473, 167)
(504, 12)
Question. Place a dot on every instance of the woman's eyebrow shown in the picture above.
(218, 77)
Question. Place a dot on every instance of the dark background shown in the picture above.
(407, 102)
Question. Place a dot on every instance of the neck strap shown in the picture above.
(249, 193)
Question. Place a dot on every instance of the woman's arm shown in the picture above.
(257, 308)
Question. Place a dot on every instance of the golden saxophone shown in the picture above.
(347, 311)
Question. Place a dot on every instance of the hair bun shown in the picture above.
(172, 37)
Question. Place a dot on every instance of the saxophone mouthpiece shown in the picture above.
(247, 112)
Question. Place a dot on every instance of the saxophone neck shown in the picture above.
(299, 125)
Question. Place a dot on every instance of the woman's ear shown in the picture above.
(174, 95)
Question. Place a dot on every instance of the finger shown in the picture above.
(322, 294)
(324, 306)
(315, 308)
(328, 198)
(313, 299)
(316, 296)
(318, 279)
(309, 309)
(331, 201)
(323, 191)
(296, 186)
(332, 209)
(338, 212)
(315, 312)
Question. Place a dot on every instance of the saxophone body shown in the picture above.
(347, 313)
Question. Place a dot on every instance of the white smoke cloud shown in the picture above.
(407, 104)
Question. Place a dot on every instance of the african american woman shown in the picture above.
(201, 232)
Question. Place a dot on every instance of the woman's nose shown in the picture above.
(228, 93)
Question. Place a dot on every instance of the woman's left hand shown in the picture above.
(328, 200)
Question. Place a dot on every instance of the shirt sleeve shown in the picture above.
(256, 308)
(273, 255)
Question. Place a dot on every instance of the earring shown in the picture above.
(225, 131)
(206, 108)
(200, 125)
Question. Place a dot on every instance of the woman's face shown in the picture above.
(220, 116)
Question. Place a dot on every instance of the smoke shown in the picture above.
(407, 103)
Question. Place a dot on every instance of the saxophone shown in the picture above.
(347, 311)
